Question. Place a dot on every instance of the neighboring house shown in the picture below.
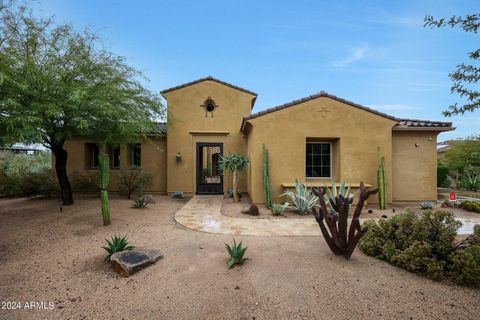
(313, 139)
(17, 149)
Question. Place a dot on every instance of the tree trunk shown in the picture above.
(61, 157)
(235, 196)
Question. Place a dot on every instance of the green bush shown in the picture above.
(28, 175)
(87, 181)
(425, 244)
(443, 180)
(473, 206)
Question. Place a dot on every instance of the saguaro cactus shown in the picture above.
(381, 182)
(267, 186)
(104, 167)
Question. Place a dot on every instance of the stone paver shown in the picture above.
(202, 213)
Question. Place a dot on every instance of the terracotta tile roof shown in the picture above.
(161, 128)
(209, 78)
(403, 124)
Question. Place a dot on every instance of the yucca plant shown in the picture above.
(278, 208)
(302, 199)
(234, 163)
(103, 163)
(426, 205)
(140, 203)
(116, 244)
(236, 253)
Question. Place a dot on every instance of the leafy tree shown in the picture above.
(466, 77)
(57, 84)
(234, 163)
(463, 154)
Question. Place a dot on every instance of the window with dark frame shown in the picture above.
(319, 160)
(137, 155)
(92, 158)
(115, 157)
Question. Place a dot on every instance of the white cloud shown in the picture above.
(394, 107)
(357, 54)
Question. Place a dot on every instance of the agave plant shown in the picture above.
(278, 208)
(116, 244)
(140, 203)
(302, 199)
(178, 195)
(332, 193)
(470, 181)
(236, 253)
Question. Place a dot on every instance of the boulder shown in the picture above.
(251, 210)
(126, 263)
(148, 198)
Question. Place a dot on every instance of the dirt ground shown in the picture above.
(53, 255)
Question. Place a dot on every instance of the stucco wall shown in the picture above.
(357, 134)
(414, 168)
(153, 160)
(187, 125)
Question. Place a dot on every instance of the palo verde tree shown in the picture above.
(234, 163)
(57, 83)
(467, 76)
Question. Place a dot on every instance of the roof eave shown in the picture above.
(438, 129)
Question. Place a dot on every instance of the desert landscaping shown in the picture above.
(54, 255)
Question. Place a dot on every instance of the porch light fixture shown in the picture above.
(178, 157)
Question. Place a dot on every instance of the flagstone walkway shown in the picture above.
(202, 213)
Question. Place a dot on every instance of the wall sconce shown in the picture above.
(178, 157)
(417, 144)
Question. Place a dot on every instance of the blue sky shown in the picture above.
(376, 53)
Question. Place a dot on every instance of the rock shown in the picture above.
(148, 198)
(126, 263)
(251, 210)
(370, 211)
(384, 216)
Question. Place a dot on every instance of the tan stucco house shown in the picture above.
(313, 139)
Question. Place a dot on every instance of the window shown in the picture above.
(114, 157)
(91, 156)
(137, 155)
(319, 160)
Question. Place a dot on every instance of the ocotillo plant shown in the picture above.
(267, 186)
(381, 181)
(104, 167)
(332, 217)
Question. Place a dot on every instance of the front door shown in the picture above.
(209, 177)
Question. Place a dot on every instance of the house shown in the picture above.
(314, 139)
(18, 149)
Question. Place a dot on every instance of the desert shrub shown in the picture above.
(425, 245)
(134, 180)
(443, 180)
(116, 244)
(28, 175)
(473, 206)
(178, 195)
(302, 198)
(278, 208)
(87, 181)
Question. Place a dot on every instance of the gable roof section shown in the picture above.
(403, 124)
(209, 78)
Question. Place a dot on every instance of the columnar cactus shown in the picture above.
(382, 182)
(267, 186)
(104, 168)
